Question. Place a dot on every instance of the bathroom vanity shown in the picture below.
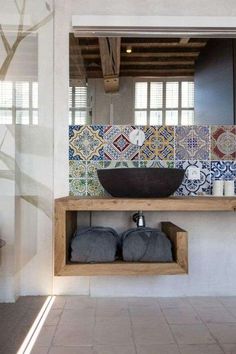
(66, 210)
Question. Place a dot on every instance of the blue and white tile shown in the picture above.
(195, 187)
(225, 170)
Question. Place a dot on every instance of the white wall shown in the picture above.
(122, 102)
(153, 7)
(211, 235)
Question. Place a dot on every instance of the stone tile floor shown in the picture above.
(84, 325)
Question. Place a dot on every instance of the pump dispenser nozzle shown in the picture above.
(139, 219)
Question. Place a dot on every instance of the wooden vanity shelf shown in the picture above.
(66, 223)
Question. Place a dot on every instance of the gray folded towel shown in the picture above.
(94, 245)
(146, 245)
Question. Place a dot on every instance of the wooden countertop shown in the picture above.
(201, 203)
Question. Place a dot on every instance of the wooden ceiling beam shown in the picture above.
(160, 62)
(160, 71)
(184, 74)
(179, 44)
(162, 67)
(160, 54)
(148, 55)
(156, 59)
(110, 59)
(184, 41)
(164, 45)
(131, 64)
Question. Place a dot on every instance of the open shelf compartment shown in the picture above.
(66, 224)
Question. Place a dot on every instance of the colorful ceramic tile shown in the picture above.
(92, 167)
(77, 187)
(225, 170)
(94, 188)
(195, 187)
(156, 164)
(183, 143)
(86, 142)
(77, 169)
(121, 164)
(117, 145)
(192, 142)
(223, 142)
(158, 144)
(200, 142)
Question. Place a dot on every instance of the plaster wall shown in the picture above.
(211, 235)
(116, 108)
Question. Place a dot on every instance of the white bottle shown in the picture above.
(218, 187)
(229, 188)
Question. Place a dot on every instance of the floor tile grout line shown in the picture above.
(176, 342)
(132, 332)
(94, 326)
(56, 327)
(217, 341)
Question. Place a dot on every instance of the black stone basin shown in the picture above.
(141, 182)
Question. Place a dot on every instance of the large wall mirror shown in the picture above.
(152, 81)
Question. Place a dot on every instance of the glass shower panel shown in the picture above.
(26, 145)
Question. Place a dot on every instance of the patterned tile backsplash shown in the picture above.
(211, 148)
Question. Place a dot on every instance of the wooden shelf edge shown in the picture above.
(207, 203)
(121, 268)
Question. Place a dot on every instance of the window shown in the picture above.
(164, 102)
(78, 104)
(18, 102)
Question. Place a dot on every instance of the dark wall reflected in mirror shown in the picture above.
(152, 81)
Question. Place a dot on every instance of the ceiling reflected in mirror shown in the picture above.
(151, 81)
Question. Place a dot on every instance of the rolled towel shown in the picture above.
(94, 245)
(146, 245)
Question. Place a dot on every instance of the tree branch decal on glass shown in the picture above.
(30, 190)
(21, 34)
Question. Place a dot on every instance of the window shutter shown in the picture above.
(6, 94)
(172, 94)
(78, 103)
(22, 94)
(187, 98)
(81, 97)
(6, 100)
(141, 95)
(156, 95)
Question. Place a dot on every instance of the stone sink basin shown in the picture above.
(141, 182)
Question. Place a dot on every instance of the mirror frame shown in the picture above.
(133, 26)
